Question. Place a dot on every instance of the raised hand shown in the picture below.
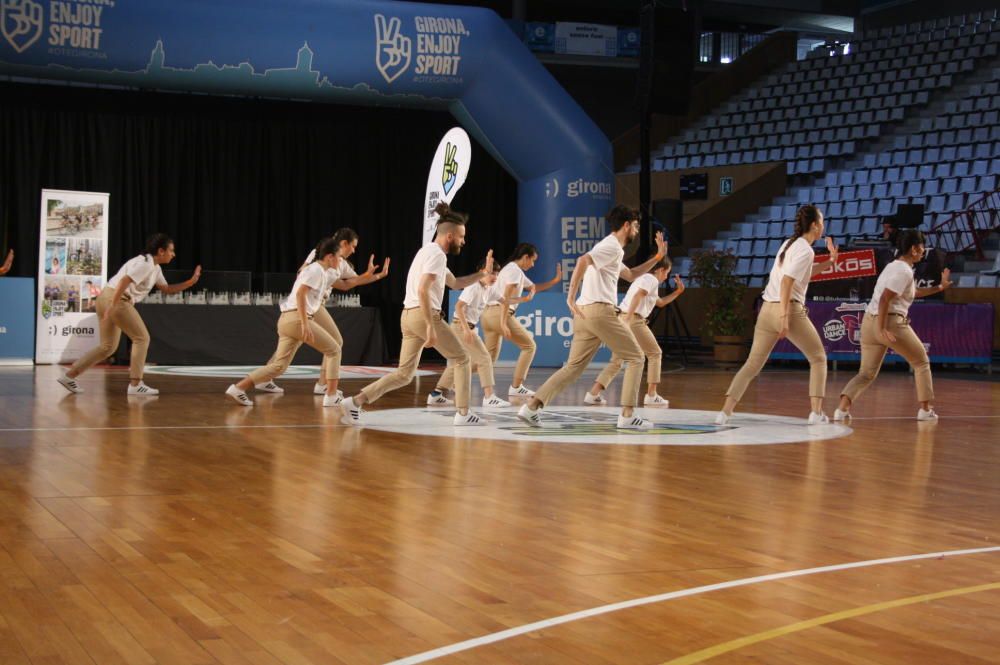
(371, 266)
(833, 249)
(196, 275)
(8, 262)
(488, 268)
(661, 244)
(385, 269)
(946, 279)
(678, 283)
(559, 272)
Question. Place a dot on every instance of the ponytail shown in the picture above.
(804, 219)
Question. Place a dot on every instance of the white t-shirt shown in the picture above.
(898, 278)
(510, 274)
(798, 264)
(474, 297)
(143, 272)
(600, 282)
(645, 283)
(315, 277)
(343, 271)
(430, 260)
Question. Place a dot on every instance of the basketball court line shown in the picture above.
(672, 595)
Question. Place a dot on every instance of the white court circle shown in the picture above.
(596, 425)
(293, 372)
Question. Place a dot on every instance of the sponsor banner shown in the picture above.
(586, 39)
(449, 169)
(547, 317)
(569, 208)
(17, 320)
(849, 265)
(72, 270)
(540, 37)
(628, 42)
(951, 333)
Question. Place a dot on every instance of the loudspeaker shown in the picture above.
(670, 214)
(674, 53)
(909, 215)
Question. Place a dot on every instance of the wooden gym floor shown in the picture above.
(187, 529)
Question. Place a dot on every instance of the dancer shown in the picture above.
(784, 315)
(341, 278)
(638, 303)
(8, 262)
(296, 325)
(886, 326)
(116, 312)
(468, 311)
(595, 319)
(499, 320)
(421, 322)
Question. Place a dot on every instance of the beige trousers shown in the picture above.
(601, 324)
(490, 322)
(323, 319)
(414, 327)
(874, 347)
(123, 318)
(481, 361)
(801, 332)
(647, 342)
(289, 341)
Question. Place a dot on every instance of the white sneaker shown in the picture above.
(531, 416)
(142, 389)
(722, 418)
(520, 391)
(269, 387)
(818, 418)
(468, 419)
(494, 402)
(439, 400)
(591, 398)
(69, 384)
(238, 395)
(351, 412)
(926, 415)
(840, 416)
(656, 401)
(634, 422)
(333, 400)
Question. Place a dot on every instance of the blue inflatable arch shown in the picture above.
(384, 53)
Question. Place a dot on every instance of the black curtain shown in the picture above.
(240, 184)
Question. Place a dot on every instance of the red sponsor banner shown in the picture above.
(857, 263)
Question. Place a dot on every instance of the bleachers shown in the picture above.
(824, 108)
(945, 161)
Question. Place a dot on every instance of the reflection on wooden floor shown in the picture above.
(187, 529)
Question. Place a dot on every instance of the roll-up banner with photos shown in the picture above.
(72, 270)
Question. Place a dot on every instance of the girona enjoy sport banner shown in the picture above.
(449, 169)
(72, 270)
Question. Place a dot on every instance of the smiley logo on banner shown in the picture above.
(392, 48)
(21, 23)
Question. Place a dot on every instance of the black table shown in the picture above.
(246, 335)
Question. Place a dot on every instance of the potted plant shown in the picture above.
(715, 271)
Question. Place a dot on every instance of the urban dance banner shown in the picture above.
(951, 333)
(72, 270)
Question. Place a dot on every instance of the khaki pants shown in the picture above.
(323, 319)
(490, 321)
(600, 325)
(801, 332)
(123, 318)
(647, 342)
(480, 357)
(289, 341)
(874, 347)
(414, 327)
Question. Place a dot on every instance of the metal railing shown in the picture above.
(965, 230)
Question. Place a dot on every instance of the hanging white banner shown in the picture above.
(72, 270)
(449, 170)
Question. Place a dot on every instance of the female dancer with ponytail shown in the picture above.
(116, 312)
(341, 278)
(886, 326)
(784, 315)
(498, 318)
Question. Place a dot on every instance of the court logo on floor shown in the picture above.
(596, 425)
(293, 372)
